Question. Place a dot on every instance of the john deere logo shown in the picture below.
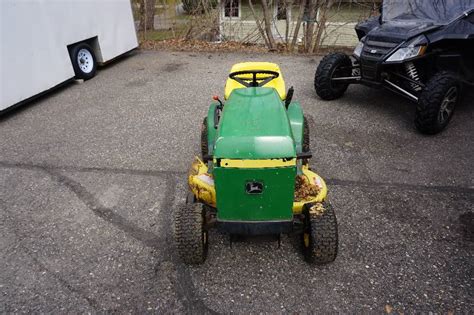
(254, 188)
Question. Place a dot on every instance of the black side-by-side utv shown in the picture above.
(421, 49)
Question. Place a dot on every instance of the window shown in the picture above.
(231, 8)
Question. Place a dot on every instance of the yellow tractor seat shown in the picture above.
(278, 83)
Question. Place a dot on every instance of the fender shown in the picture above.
(211, 130)
(295, 115)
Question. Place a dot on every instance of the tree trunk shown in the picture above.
(298, 24)
(309, 32)
(323, 17)
(268, 18)
(147, 14)
(259, 26)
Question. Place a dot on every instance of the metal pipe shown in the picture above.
(346, 78)
(405, 92)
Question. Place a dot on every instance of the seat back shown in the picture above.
(278, 84)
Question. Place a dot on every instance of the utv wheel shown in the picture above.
(320, 239)
(332, 66)
(83, 61)
(437, 103)
(204, 142)
(191, 238)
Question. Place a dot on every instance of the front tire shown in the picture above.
(83, 61)
(320, 236)
(190, 236)
(332, 66)
(437, 103)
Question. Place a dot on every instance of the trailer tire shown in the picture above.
(323, 84)
(437, 103)
(83, 61)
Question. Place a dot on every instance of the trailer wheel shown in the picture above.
(83, 61)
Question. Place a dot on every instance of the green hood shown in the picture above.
(254, 125)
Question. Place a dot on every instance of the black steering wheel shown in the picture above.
(254, 81)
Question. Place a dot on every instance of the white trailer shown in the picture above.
(45, 43)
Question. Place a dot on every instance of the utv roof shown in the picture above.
(438, 12)
(254, 125)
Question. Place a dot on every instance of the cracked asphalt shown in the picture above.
(90, 176)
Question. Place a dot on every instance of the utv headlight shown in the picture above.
(416, 47)
(358, 49)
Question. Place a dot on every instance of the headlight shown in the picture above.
(416, 47)
(358, 49)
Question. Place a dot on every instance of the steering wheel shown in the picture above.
(254, 83)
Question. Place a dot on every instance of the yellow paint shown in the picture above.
(199, 183)
(306, 239)
(206, 192)
(278, 83)
(257, 163)
(313, 179)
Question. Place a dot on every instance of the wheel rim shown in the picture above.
(85, 60)
(447, 105)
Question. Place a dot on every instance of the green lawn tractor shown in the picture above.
(253, 176)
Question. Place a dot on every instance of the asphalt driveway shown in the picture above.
(90, 176)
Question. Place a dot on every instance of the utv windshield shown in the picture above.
(433, 11)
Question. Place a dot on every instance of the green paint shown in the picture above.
(254, 125)
(295, 115)
(275, 203)
(211, 131)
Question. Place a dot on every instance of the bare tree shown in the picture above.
(298, 24)
(147, 14)
(259, 25)
(268, 19)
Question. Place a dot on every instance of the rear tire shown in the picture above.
(204, 142)
(329, 67)
(190, 236)
(320, 237)
(437, 103)
(83, 61)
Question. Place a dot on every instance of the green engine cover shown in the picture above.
(254, 125)
(236, 203)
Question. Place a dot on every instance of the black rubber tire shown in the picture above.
(323, 235)
(204, 142)
(306, 141)
(431, 99)
(325, 88)
(190, 236)
(80, 74)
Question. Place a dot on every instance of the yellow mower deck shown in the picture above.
(201, 184)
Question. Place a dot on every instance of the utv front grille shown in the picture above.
(376, 50)
(368, 69)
